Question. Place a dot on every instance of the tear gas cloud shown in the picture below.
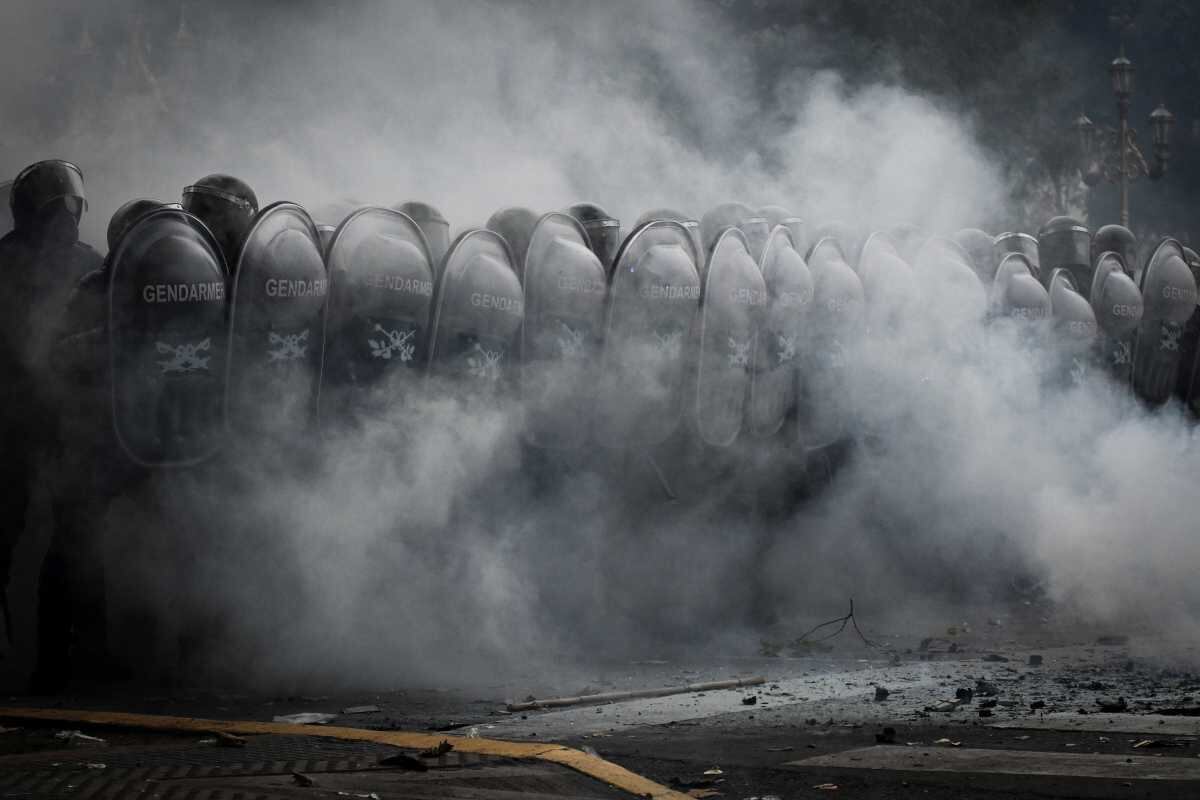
(426, 548)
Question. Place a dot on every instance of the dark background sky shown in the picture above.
(1018, 71)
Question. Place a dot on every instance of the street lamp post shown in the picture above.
(1111, 154)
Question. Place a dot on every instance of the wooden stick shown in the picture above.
(612, 697)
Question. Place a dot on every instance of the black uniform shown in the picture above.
(41, 261)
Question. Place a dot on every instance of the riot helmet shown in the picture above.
(127, 215)
(432, 224)
(227, 205)
(1066, 242)
(735, 215)
(778, 215)
(515, 225)
(690, 223)
(326, 233)
(978, 246)
(603, 230)
(1023, 243)
(48, 197)
(1119, 240)
(845, 235)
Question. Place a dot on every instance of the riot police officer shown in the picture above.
(41, 261)
(88, 474)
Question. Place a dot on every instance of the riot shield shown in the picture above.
(1117, 304)
(1074, 328)
(433, 225)
(167, 331)
(477, 315)
(603, 230)
(653, 302)
(377, 315)
(1188, 385)
(835, 324)
(276, 313)
(1016, 294)
(978, 246)
(950, 286)
(565, 287)
(907, 239)
(6, 220)
(844, 234)
(890, 291)
(691, 224)
(778, 215)
(515, 226)
(779, 343)
(1169, 298)
(735, 215)
(731, 310)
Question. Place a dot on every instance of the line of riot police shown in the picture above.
(215, 326)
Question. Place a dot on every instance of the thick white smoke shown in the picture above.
(420, 546)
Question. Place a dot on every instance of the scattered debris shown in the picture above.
(985, 712)
(1110, 706)
(1037, 705)
(403, 761)
(1158, 743)
(881, 694)
(362, 710)
(228, 740)
(690, 786)
(943, 707)
(750, 700)
(79, 737)
(948, 743)
(305, 718)
(826, 787)
(985, 688)
(886, 736)
(784, 749)
(995, 658)
(95, 765)
(1186, 711)
(986, 704)
(300, 779)
(714, 772)
(1112, 641)
(964, 696)
(441, 749)
(1035, 661)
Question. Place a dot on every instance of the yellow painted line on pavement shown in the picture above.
(592, 766)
